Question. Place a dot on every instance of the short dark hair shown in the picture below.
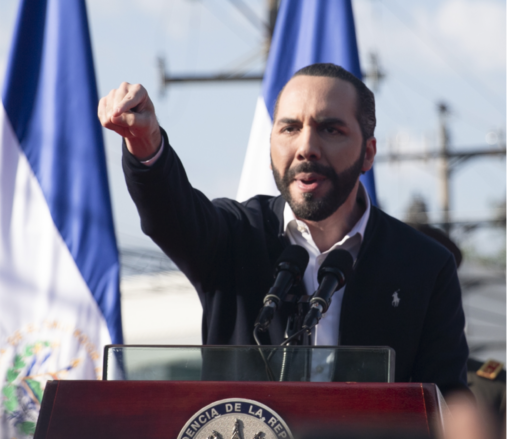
(365, 111)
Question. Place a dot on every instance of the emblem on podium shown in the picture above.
(235, 418)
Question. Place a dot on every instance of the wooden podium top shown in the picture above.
(160, 409)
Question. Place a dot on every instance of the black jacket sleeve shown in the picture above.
(180, 219)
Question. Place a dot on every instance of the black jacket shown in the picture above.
(228, 251)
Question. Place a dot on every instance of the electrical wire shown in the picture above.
(194, 25)
(485, 316)
(250, 15)
(405, 19)
(241, 66)
(425, 92)
(226, 23)
(487, 177)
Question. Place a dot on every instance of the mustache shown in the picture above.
(313, 167)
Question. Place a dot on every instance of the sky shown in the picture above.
(432, 51)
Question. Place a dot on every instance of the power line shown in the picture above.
(457, 157)
(449, 160)
(424, 91)
(250, 15)
(136, 261)
(225, 76)
(238, 66)
(226, 23)
(446, 59)
(491, 317)
(194, 23)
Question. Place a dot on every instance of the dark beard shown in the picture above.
(318, 209)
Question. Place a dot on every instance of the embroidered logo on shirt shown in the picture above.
(396, 299)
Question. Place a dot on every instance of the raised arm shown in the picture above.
(179, 218)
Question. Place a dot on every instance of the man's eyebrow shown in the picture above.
(287, 120)
(330, 121)
(320, 120)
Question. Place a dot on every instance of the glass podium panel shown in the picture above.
(249, 363)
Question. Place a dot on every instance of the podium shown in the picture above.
(197, 398)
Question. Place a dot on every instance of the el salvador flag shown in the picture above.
(59, 269)
(306, 32)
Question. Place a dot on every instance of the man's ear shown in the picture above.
(369, 154)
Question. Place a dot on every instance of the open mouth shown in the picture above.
(309, 181)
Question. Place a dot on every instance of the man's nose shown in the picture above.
(308, 145)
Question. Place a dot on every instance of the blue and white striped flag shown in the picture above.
(306, 32)
(59, 269)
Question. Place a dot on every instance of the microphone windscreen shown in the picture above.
(295, 255)
(340, 259)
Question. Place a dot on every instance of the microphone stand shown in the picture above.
(269, 372)
(293, 333)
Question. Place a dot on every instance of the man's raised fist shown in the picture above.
(128, 110)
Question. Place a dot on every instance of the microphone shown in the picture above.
(332, 275)
(289, 270)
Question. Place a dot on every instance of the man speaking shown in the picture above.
(404, 291)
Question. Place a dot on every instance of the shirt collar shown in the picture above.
(359, 227)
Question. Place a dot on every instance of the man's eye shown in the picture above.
(288, 129)
(330, 130)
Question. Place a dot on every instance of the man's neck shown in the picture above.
(333, 229)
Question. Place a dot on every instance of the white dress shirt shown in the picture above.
(151, 161)
(326, 333)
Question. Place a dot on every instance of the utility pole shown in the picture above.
(272, 14)
(375, 74)
(448, 161)
(268, 29)
(443, 112)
